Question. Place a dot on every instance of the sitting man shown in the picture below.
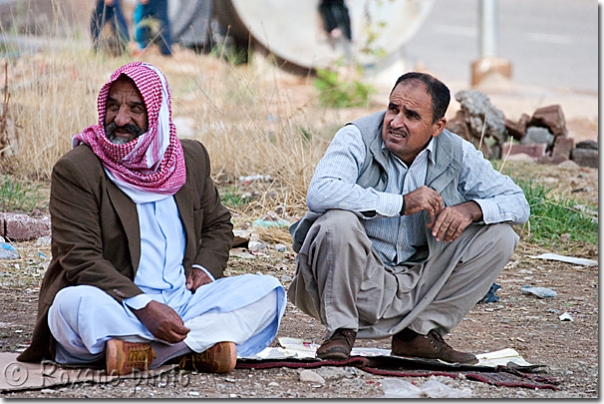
(140, 241)
(408, 227)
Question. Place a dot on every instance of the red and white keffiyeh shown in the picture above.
(152, 166)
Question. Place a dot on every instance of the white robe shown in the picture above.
(245, 309)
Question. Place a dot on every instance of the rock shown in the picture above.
(585, 157)
(280, 248)
(479, 115)
(309, 376)
(550, 117)
(273, 384)
(21, 227)
(335, 373)
(458, 126)
(587, 144)
(569, 164)
(517, 129)
(538, 135)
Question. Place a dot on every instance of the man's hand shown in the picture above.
(453, 220)
(109, 3)
(423, 198)
(163, 322)
(196, 278)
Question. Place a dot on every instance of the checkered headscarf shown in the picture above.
(151, 166)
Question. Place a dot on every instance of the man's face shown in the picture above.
(408, 121)
(126, 114)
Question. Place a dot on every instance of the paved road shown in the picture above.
(551, 43)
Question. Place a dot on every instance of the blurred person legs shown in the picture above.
(109, 11)
(145, 13)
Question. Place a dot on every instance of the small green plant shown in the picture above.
(336, 93)
(231, 199)
(18, 196)
(554, 216)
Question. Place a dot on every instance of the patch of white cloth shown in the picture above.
(83, 318)
(245, 309)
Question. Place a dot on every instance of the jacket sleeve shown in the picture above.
(77, 239)
(216, 236)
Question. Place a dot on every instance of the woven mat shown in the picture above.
(409, 367)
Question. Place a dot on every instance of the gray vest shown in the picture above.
(442, 175)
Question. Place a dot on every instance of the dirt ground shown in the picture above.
(569, 349)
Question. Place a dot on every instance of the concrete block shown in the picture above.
(563, 146)
(534, 150)
(484, 67)
(21, 227)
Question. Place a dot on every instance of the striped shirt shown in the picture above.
(333, 186)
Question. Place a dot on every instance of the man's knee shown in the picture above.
(71, 300)
(338, 221)
(504, 237)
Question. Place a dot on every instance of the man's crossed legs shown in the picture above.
(230, 316)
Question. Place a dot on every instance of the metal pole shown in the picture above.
(487, 13)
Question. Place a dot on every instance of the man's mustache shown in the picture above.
(400, 132)
(128, 128)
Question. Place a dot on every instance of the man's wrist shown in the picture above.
(475, 211)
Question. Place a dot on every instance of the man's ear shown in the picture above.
(438, 126)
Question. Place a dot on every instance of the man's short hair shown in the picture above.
(437, 90)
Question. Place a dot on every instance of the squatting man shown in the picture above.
(408, 227)
(140, 241)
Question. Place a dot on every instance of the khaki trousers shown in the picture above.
(343, 283)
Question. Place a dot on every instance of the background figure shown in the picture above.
(109, 11)
(143, 13)
(336, 22)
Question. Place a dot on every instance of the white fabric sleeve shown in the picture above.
(138, 302)
(204, 270)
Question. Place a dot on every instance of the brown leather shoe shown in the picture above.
(431, 346)
(338, 346)
(123, 357)
(220, 358)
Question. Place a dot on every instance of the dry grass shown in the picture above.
(249, 118)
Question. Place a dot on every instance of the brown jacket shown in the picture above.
(95, 232)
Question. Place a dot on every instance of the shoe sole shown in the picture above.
(219, 358)
(333, 356)
(226, 353)
(111, 358)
